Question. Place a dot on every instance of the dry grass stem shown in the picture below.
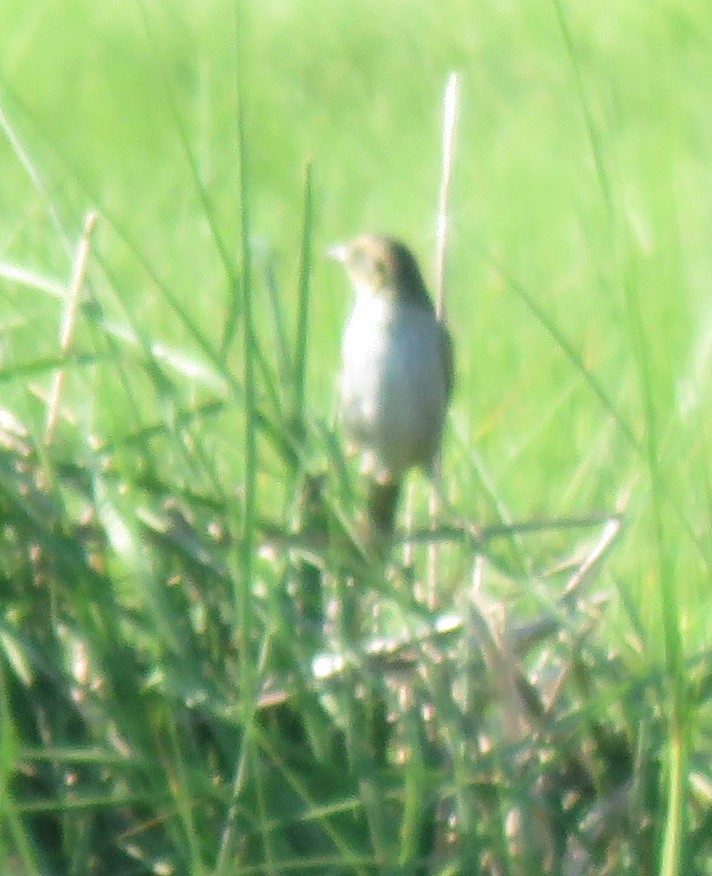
(69, 321)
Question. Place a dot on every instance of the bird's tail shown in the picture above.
(382, 505)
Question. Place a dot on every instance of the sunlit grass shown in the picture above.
(165, 554)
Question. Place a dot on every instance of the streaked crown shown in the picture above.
(383, 265)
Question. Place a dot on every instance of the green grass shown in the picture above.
(188, 677)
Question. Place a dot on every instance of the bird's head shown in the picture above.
(383, 266)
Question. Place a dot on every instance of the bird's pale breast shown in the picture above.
(393, 384)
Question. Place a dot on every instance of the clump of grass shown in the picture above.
(170, 706)
(488, 737)
(202, 671)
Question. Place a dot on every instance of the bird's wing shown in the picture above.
(447, 356)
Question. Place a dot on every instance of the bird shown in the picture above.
(397, 371)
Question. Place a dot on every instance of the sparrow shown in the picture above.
(396, 370)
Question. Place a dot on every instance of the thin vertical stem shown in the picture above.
(69, 322)
(449, 117)
(300, 352)
(244, 615)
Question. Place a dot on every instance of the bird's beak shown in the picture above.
(338, 251)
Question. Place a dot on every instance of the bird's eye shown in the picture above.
(364, 263)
